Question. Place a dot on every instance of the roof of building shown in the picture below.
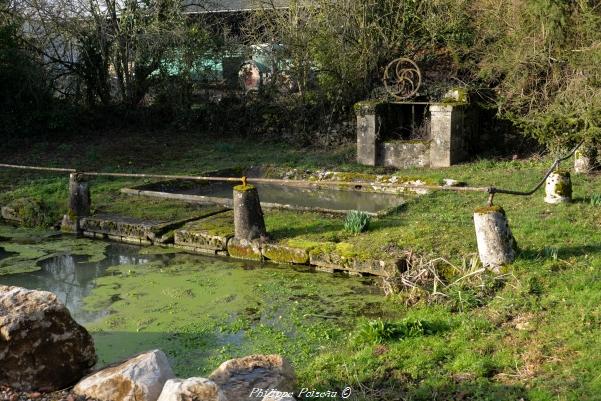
(225, 6)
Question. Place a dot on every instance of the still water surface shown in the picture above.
(199, 310)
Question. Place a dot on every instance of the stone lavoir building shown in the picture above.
(408, 134)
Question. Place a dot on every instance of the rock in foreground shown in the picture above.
(192, 389)
(237, 378)
(140, 378)
(41, 346)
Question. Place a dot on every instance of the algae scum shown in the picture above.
(199, 310)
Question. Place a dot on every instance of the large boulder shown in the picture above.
(252, 377)
(41, 346)
(140, 378)
(192, 389)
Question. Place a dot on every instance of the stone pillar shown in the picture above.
(369, 122)
(558, 188)
(584, 160)
(447, 134)
(248, 216)
(79, 203)
(496, 244)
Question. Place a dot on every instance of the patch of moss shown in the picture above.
(285, 254)
(244, 188)
(148, 208)
(563, 189)
(462, 97)
(342, 249)
(368, 106)
(489, 209)
(220, 225)
(302, 243)
(241, 251)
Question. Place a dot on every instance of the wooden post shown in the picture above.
(248, 216)
(496, 244)
(79, 203)
(558, 188)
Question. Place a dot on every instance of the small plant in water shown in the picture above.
(356, 221)
(596, 199)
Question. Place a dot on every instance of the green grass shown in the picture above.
(537, 337)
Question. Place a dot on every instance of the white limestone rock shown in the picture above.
(41, 346)
(192, 389)
(140, 378)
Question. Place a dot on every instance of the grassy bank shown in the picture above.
(535, 334)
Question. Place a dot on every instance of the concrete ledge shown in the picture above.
(121, 227)
(243, 249)
(206, 235)
(285, 254)
(332, 261)
(132, 229)
(213, 235)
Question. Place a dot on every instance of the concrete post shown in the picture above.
(496, 244)
(248, 216)
(558, 188)
(369, 121)
(79, 203)
(583, 161)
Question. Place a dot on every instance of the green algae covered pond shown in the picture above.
(199, 310)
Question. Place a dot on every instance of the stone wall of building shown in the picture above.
(404, 154)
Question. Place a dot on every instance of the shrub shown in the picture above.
(33, 212)
(543, 65)
(356, 222)
(596, 199)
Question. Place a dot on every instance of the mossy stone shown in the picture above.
(285, 254)
(489, 209)
(368, 106)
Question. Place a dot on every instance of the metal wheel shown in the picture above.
(402, 78)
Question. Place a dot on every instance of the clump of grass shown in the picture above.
(378, 331)
(551, 252)
(596, 199)
(356, 222)
(33, 212)
(535, 286)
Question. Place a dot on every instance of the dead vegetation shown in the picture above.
(438, 280)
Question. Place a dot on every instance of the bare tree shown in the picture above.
(108, 49)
